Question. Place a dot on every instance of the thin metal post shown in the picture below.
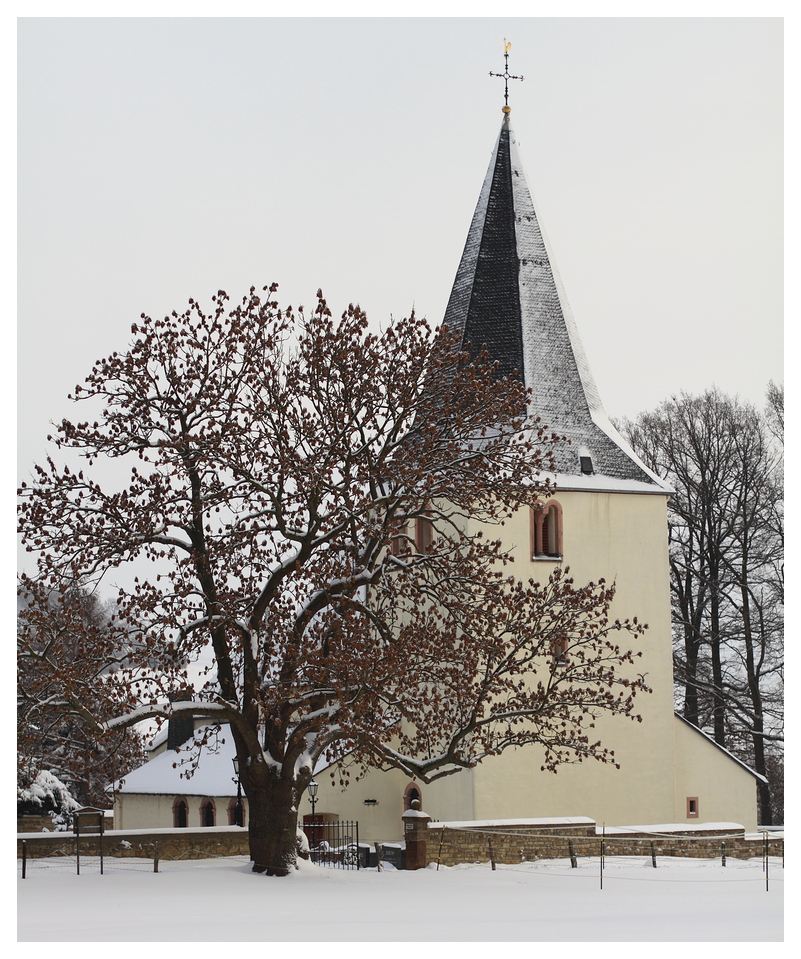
(78, 843)
(573, 863)
(102, 829)
(491, 852)
(603, 847)
(723, 853)
(24, 856)
(653, 856)
(439, 854)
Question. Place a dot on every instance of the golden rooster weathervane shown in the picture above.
(507, 46)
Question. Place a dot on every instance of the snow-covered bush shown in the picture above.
(47, 795)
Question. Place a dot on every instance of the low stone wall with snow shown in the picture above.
(512, 842)
(206, 843)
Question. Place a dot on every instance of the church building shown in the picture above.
(607, 518)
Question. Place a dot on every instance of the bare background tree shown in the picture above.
(724, 460)
(305, 506)
(68, 747)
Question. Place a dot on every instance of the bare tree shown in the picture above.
(67, 745)
(726, 555)
(313, 500)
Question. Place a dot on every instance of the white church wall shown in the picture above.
(723, 791)
(621, 537)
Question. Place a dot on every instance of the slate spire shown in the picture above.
(508, 297)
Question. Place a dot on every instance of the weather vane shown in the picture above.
(507, 46)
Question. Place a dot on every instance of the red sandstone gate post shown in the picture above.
(415, 828)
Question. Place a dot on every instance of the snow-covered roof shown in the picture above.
(214, 775)
(508, 296)
(671, 827)
(492, 823)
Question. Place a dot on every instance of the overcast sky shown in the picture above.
(166, 158)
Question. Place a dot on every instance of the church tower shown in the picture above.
(607, 519)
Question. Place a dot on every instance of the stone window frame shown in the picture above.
(546, 531)
(232, 812)
(693, 811)
(424, 532)
(407, 795)
(176, 804)
(204, 804)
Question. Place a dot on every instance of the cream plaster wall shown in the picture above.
(726, 791)
(621, 537)
(451, 797)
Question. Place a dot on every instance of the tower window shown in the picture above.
(400, 540)
(423, 533)
(546, 531)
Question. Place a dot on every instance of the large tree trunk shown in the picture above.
(272, 829)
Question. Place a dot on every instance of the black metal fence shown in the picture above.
(336, 844)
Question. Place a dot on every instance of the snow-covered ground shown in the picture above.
(683, 900)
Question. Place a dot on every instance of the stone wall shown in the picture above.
(445, 844)
(205, 843)
(513, 844)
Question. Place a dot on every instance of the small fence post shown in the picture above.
(378, 855)
(24, 856)
(603, 838)
(653, 856)
(439, 853)
(573, 863)
(723, 854)
(767, 867)
(491, 852)
(155, 857)
(78, 844)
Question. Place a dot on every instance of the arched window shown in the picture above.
(423, 533)
(411, 793)
(208, 814)
(559, 648)
(232, 813)
(399, 544)
(546, 530)
(180, 813)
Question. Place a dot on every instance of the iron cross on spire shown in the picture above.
(507, 46)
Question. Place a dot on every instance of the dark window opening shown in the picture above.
(423, 534)
(207, 813)
(180, 814)
(546, 531)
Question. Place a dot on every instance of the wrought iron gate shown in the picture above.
(335, 844)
